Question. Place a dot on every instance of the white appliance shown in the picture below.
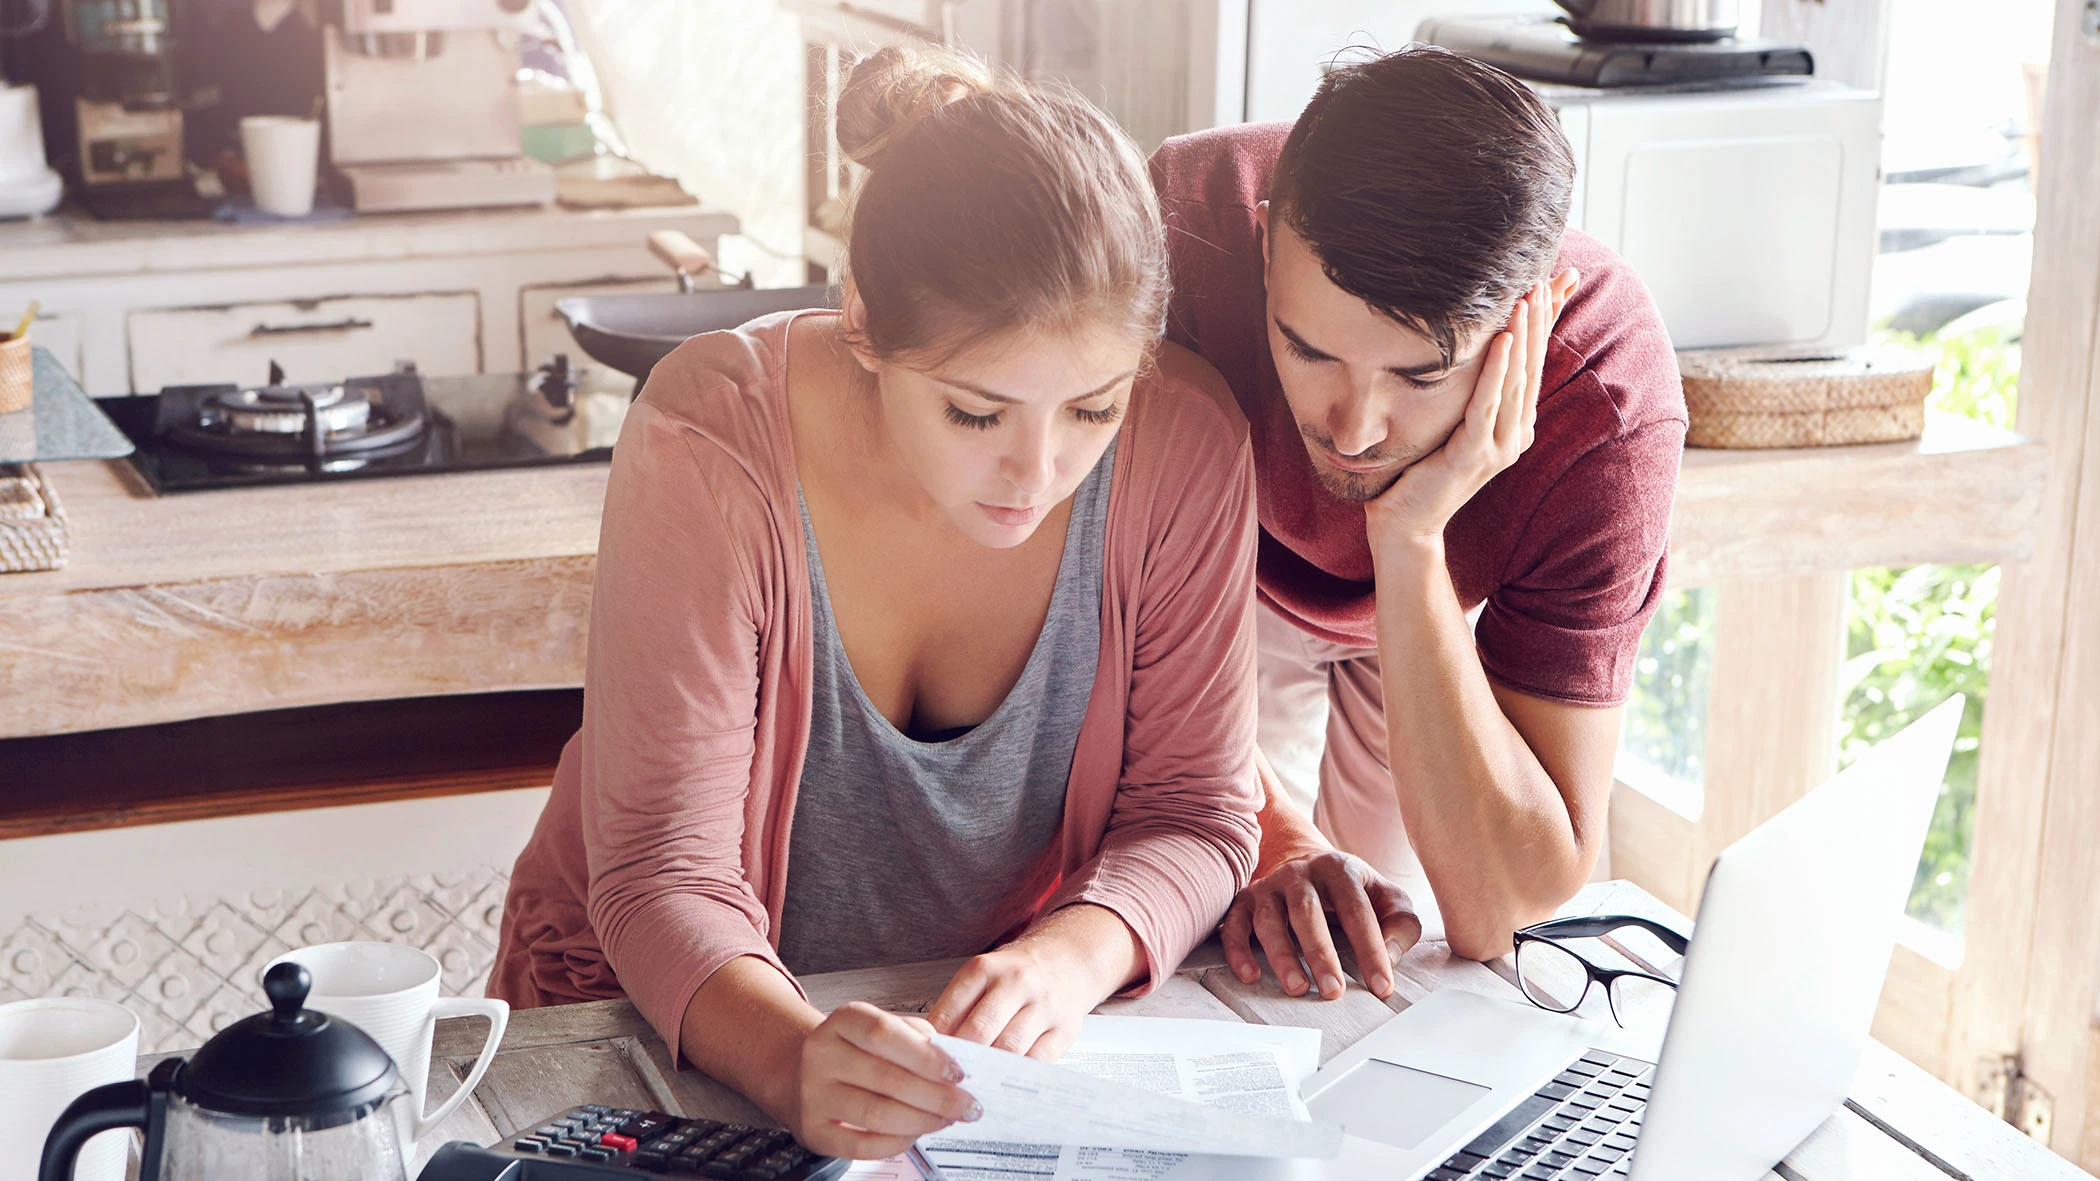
(1745, 201)
(423, 112)
(1748, 213)
(1764, 1041)
(28, 186)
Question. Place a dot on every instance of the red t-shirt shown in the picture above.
(1566, 548)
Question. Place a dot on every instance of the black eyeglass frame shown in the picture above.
(1552, 931)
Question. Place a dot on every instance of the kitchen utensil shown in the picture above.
(51, 1052)
(282, 156)
(293, 1094)
(1651, 20)
(687, 258)
(631, 333)
(28, 318)
(390, 991)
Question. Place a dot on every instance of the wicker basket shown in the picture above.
(1742, 398)
(32, 525)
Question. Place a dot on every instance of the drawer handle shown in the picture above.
(351, 324)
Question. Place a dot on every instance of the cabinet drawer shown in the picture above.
(313, 340)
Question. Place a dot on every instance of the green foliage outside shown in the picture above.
(1665, 723)
(1915, 636)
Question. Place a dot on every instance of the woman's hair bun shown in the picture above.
(892, 89)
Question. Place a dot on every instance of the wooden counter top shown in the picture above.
(213, 603)
(71, 245)
(125, 536)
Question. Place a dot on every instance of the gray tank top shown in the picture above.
(905, 850)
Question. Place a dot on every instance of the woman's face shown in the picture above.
(1005, 430)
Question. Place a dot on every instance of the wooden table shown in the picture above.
(1899, 1125)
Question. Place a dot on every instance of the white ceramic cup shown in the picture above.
(390, 991)
(51, 1052)
(283, 154)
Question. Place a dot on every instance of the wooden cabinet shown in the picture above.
(313, 340)
(146, 304)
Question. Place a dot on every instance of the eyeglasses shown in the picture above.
(1556, 977)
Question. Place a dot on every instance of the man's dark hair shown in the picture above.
(1430, 186)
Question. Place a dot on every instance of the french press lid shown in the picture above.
(291, 1061)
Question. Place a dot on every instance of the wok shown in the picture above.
(631, 333)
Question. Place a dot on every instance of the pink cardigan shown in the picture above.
(662, 852)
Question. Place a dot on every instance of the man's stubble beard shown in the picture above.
(1352, 487)
(1355, 487)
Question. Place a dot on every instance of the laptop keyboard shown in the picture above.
(1579, 1127)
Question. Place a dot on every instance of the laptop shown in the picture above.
(1773, 1006)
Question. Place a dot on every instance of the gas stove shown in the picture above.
(198, 437)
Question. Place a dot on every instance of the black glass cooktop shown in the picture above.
(200, 437)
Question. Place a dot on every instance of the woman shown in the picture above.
(921, 629)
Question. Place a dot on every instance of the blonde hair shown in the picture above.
(991, 204)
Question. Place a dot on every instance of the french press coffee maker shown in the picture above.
(288, 1095)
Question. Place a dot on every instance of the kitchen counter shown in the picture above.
(71, 245)
(223, 602)
(135, 305)
(1899, 1124)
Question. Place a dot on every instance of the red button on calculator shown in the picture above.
(616, 1141)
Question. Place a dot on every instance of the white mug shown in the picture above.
(51, 1052)
(283, 155)
(390, 991)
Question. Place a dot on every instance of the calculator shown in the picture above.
(598, 1143)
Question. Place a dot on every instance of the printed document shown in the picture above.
(1129, 1100)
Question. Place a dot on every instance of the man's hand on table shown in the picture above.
(1030, 996)
(1287, 910)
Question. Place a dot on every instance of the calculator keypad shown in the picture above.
(654, 1142)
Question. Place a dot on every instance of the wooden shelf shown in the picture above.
(1964, 493)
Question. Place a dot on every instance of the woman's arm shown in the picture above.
(1031, 995)
(860, 1083)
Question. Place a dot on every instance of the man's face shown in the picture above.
(1370, 395)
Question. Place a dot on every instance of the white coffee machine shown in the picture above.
(28, 186)
(422, 107)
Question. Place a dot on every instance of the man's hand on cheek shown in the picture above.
(1496, 429)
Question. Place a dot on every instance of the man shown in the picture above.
(1379, 284)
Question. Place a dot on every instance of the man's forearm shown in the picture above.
(1491, 828)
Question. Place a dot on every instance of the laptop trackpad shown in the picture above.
(1393, 1104)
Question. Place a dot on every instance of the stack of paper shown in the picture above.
(1129, 1100)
